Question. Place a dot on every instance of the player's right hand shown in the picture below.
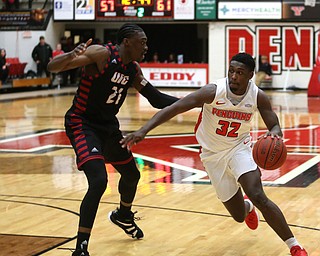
(132, 139)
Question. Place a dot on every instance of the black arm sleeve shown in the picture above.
(156, 98)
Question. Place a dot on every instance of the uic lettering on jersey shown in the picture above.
(119, 78)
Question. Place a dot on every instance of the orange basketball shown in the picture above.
(269, 153)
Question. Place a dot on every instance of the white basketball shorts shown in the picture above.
(224, 168)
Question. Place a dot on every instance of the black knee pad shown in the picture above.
(96, 173)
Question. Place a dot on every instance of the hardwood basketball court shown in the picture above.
(41, 189)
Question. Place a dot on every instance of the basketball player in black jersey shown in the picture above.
(92, 126)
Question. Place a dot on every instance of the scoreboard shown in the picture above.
(134, 9)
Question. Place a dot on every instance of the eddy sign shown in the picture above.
(176, 75)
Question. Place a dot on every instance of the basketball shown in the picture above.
(269, 153)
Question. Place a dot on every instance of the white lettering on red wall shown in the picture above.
(288, 47)
(171, 76)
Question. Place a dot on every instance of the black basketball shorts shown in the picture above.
(90, 142)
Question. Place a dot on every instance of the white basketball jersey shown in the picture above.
(222, 125)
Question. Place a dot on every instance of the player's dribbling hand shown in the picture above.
(81, 48)
(268, 133)
(132, 139)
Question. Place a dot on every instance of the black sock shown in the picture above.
(125, 211)
(82, 241)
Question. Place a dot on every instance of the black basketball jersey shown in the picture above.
(99, 98)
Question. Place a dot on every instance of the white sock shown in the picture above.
(292, 241)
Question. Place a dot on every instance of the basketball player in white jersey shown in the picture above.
(223, 132)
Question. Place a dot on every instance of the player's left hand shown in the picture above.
(273, 135)
(81, 48)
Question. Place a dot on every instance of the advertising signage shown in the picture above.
(24, 20)
(84, 10)
(184, 10)
(73, 10)
(169, 10)
(63, 10)
(206, 9)
(297, 10)
(258, 10)
(135, 9)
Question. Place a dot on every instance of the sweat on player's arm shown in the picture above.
(84, 54)
(204, 95)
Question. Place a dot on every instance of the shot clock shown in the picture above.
(134, 9)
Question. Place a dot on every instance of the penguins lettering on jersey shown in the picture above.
(119, 78)
(232, 114)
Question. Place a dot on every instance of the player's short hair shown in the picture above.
(127, 30)
(246, 59)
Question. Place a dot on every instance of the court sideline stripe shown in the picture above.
(136, 205)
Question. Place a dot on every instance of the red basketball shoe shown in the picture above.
(252, 219)
(298, 251)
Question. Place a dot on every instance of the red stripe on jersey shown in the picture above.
(80, 107)
(83, 155)
(85, 148)
(89, 83)
(88, 159)
(76, 120)
(81, 136)
(83, 88)
(82, 101)
(122, 162)
(76, 126)
(77, 132)
(84, 96)
(80, 143)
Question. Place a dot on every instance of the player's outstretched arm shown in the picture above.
(196, 99)
(269, 117)
(156, 98)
